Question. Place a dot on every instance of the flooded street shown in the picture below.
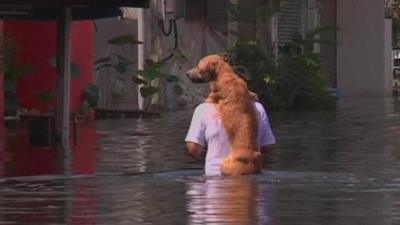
(330, 168)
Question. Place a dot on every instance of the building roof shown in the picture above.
(50, 9)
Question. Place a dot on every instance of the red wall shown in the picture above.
(1, 84)
(2, 149)
(36, 45)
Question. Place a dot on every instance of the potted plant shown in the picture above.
(150, 80)
(41, 121)
(13, 71)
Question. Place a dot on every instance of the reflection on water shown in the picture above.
(226, 201)
(331, 168)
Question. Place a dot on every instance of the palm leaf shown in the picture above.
(124, 39)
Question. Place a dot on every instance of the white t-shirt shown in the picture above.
(207, 130)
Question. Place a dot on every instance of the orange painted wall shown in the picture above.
(37, 45)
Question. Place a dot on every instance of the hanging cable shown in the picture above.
(174, 28)
(166, 33)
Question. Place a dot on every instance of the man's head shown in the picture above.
(206, 69)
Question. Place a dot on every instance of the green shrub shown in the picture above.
(259, 64)
(294, 81)
(300, 81)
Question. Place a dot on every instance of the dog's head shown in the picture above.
(206, 69)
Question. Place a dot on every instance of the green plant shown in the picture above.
(292, 79)
(301, 76)
(75, 69)
(151, 72)
(117, 63)
(295, 80)
(120, 65)
(254, 13)
(90, 98)
(13, 71)
(300, 81)
(146, 78)
(46, 98)
(123, 40)
(258, 62)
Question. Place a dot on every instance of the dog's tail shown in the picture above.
(248, 158)
(247, 163)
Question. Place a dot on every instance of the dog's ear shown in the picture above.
(227, 57)
(242, 72)
(210, 74)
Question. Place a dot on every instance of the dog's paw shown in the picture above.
(209, 100)
(253, 96)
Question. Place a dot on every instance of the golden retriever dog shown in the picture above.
(235, 103)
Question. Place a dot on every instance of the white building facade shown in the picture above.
(360, 64)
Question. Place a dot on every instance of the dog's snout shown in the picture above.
(194, 75)
(189, 73)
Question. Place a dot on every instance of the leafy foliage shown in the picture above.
(90, 97)
(147, 91)
(144, 78)
(259, 64)
(293, 78)
(260, 11)
(300, 81)
(75, 69)
(123, 40)
(45, 96)
(152, 71)
(297, 79)
(13, 71)
(120, 65)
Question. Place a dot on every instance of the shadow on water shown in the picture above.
(21, 158)
(331, 168)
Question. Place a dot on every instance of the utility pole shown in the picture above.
(64, 83)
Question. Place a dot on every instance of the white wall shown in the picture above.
(388, 55)
(362, 69)
(106, 79)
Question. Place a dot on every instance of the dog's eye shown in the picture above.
(211, 75)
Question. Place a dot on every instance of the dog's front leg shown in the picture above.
(212, 98)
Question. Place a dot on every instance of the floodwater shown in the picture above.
(329, 168)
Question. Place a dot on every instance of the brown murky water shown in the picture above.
(331, 168)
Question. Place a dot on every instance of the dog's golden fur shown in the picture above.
(235, 104)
